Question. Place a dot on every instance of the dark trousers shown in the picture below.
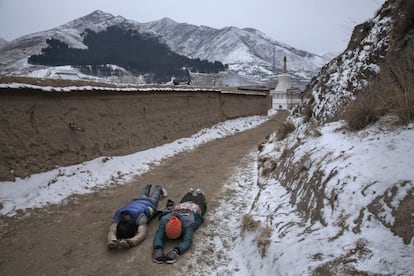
(198, 199)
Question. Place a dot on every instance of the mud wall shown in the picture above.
(41, 130)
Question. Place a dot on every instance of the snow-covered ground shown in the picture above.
(372, 164)
(369, 164)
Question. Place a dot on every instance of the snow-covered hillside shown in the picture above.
(343, 77)
(248, 52)
(326, 200)
(335, 203)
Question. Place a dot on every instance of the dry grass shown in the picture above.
(392, 92)
(263, 240)
(266, 166)
(312, 129)
(284, 130)
(307, 112)
(249, 223)
(362, 112)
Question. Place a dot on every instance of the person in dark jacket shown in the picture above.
(179, 222)
(129, 223)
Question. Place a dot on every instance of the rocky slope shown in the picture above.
(345, 76)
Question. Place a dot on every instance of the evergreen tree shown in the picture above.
(136, 52)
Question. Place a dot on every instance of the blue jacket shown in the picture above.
(190, 222)
(135, 208)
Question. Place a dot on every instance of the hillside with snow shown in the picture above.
(327, 199)
(248, 52)
(335, 203)
(347, 74)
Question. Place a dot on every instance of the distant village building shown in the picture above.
(284, 96)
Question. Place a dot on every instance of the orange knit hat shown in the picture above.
(173, 228)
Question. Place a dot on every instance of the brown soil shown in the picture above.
(70, 239)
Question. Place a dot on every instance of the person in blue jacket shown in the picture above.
(129, 223)
(180, 221)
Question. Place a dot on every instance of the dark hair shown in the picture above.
(126, 229)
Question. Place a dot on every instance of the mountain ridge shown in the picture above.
(3, 42)
(249, 52)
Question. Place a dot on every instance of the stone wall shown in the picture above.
(41, 130)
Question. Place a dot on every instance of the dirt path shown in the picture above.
(70, 239)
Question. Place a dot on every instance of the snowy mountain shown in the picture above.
(247, 51)
(3, 42)
(14, 57)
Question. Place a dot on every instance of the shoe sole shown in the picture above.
(158, 262)
(164, 194)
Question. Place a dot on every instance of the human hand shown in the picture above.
(126, 243)
(113, 244)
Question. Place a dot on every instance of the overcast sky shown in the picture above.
(317, 26)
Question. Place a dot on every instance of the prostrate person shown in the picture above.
(180, 221)
(129, 223)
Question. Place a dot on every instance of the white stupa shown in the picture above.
(284, 95)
